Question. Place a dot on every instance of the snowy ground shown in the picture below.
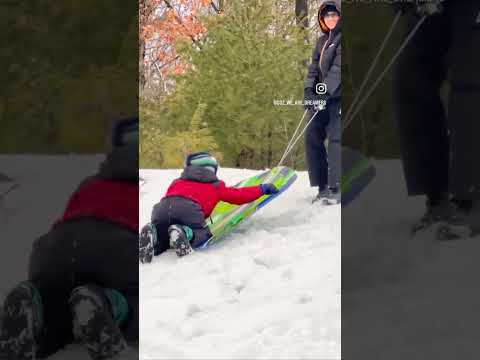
(403, 297)
(271, 290)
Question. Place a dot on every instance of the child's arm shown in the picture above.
(240, 196)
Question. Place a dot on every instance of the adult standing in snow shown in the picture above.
(322, 92)
(83, 274)
(440, 150)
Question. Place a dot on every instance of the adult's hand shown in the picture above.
(322, 102)
(419, 7)
(429, 7)
(310, 97)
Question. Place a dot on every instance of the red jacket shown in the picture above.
(208, 195)
(105, 200)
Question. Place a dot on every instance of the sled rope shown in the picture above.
(285, 153)
(374, 64)
(302, 132)
(294, 142)
(355, 112)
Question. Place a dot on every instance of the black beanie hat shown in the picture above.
(327, 9)
(125, 131)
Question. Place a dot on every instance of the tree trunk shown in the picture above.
(270, 151)
(262, 150)
(301, 13)
(141, 65)
(144, 10)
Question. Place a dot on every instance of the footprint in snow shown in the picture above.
(193, 309)
(262, 262)
(288, 274)
(304, 299)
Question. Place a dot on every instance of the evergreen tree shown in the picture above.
(249, 58)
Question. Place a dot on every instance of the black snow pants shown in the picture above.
(440, 148)
(325, 167)
(180, 211)
(76, 253)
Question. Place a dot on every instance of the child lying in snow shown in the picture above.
(180, 216)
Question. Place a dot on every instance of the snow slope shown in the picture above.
(405, 297)
(271, 290)
(402, 298)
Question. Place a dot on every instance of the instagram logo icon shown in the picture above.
(321, 88)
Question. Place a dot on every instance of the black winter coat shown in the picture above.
(326, 66)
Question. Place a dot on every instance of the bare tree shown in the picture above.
(145, 10)
(301, 13)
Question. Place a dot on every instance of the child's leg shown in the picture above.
(200, 236)
(51, 272)
(162, 219)
(190, 215)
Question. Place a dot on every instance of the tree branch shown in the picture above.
(215, 7)
(169, 5)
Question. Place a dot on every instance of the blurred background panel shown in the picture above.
(407, 273)
(69, 71)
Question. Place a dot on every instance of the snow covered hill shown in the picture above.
(405, 297)
(271, 290)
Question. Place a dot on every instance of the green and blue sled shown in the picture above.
(226, 217)
(357, 173)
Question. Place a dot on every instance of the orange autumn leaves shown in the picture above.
(164, 24)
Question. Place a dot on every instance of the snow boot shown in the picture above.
(464, 223)
(328, 197)
(97, 313)
(180, 237)
(321, 196)
(442, 211)
(147, 242)
(22, 323)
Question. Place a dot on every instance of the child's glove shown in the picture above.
(269, 189)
